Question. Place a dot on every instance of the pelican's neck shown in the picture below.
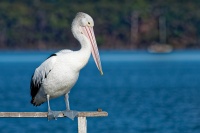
(85, 51)
(82, 55)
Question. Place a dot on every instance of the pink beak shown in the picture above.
(89, 32)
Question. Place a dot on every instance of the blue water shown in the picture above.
(142, 92)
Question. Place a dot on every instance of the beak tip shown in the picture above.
(101, 72)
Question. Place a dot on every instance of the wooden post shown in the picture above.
(82, 125)
(82, 122)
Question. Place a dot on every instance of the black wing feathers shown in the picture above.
(51, 56)
(36, 81)
(35, 86)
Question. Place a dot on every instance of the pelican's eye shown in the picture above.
(89, 23)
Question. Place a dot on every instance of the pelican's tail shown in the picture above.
(37, 101)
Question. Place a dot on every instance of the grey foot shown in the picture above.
(70, 113)
(53, 115)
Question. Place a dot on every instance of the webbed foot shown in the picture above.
(70, 114)
(53, 115)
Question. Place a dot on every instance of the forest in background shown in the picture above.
(128, 24)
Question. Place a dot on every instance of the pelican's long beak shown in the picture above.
(89, 32)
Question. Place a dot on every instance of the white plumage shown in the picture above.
(58, 73)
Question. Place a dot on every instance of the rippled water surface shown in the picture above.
(142, 92)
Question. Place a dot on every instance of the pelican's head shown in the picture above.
(83, 25)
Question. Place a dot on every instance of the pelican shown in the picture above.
(57, 74)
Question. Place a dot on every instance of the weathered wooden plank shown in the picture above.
(93, 114)
(44, 114)
(82, 125)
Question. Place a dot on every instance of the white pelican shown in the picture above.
(58, 73)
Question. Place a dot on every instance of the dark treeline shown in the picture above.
(46, 24)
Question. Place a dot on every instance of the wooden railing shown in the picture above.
(82, 121)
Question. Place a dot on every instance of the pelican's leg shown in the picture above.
(51, 114)
(67, 101)
(69, 113)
